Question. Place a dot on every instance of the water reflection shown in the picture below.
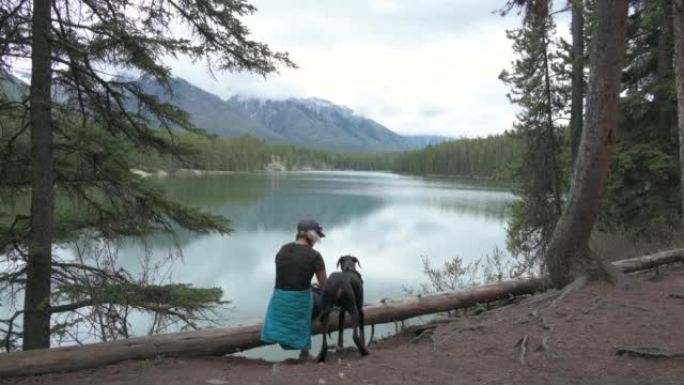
(388, 221)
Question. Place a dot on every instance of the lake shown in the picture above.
(388, 221)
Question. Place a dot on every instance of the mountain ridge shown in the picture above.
(307, 122)
(316, 122)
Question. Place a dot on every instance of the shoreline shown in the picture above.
(199, 172)
(464, 349)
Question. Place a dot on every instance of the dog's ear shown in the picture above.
(339, 262)
(356, 260)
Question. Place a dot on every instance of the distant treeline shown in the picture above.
(492, 156)
(489, 157)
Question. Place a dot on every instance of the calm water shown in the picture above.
(388, 221)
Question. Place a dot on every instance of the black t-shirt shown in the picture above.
(296, 265)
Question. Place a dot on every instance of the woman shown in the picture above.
(288, 318)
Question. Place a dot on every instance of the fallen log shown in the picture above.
(231, 339)
(650, 261)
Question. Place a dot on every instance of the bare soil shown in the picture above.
(575, 340)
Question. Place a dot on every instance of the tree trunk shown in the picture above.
(577, 98)
(678, 21)
(568, 255)
(550, 128)
(664, 74)
(38, 267)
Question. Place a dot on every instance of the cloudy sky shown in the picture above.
(417, 67)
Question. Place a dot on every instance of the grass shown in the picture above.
(622, 244)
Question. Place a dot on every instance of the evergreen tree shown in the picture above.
(537, 88)
(642, 188)
(84, 122)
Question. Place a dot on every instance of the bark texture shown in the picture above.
(664, 73)
(550, 128)
(38, 267)
(577, 97)
(568, 254)
(678, 22)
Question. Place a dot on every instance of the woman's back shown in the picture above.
(296, 265)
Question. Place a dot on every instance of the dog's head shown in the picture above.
(348, 263)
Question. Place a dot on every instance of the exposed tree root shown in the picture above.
(544, 345)
(549, 295)
(571, 316)
(426, 333)
(632, 306)
(596, 304)
(577, 284)
(587, 265)
(531, 317)
(675, 295)
(523, 348)
(459, 331)
(648, 353)
(613, 274)
(569, 313)
(470, 328)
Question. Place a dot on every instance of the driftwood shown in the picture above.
(231, 339)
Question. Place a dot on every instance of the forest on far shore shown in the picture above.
(492, 157)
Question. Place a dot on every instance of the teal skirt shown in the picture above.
(288, 319)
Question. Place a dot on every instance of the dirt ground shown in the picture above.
(575, 340)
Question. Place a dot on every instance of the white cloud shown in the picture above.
(426, 67)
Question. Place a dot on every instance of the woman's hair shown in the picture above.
(310, 235)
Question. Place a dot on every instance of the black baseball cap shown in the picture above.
(310, 224)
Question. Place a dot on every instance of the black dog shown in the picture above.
(316, 291)
(345, 290)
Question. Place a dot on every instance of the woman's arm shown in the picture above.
(321, 276)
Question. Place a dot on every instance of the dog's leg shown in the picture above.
(362, 325)
(324, 325)
(354, 315)
(317, 305)
(340, 329)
